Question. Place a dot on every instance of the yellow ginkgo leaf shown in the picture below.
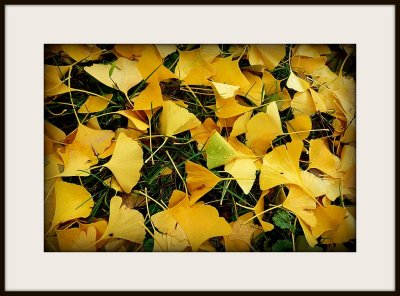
(299, 127)
(307, 65)
(129, 51)
(150, 98)
(178, 198)
(244, 151)
(199, 180)
(93, 123)
(126, 162)
(297, 83)
(82, 52)
(271, 85)
(99, 225)
(203, 132)
(209, 52)
(151, 65)
(228, 72)
(211, 224)
(111, 182)
(77, 158)
(52, 80)
(319, 187)
(77, 240)
(242, 234)
(122, 74)
(226, 122)
(328, 218)
(281, 166)
(135, 119)
(258, 210)
(53, 132)
(244, 172)
(255, 91)
(129, 132)
(345, 231)
(108, 152)
(192, 68)
(124, 222)
(335, 225)
(349, 135)
(175, 119)
(311, 240)
(301, 204)
(282, 99)
(95, 104)
(308, 50)
(311, 50)
(267, 55)
(165, 49)
(49, 195)
(347, 158)
(303, 104)
(344, 89)
(240, 125)
(170, 236)
(324, 75)
(224, 91)
(219, 151)
(98, 140)
(227, 108)
(72, 202)
(321, 158)
(319, 100)
(260, 139)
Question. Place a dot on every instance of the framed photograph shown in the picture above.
(236, 151)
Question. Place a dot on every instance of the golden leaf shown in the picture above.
(135, 119)
(211, 224)
(82, 52)
(77, 240)
(170, 235)
(126, 162)
(199, 180)
(299, 127)
(260, 139)
(72, 202)
(123, 74)
(321, 158)
(297, 83)
(301, 204)
(267, 55)
(228, 72)
(52, 80)
(242, 234)
(281, 166)
(124, 222)
(95, 104)
(98, 140)
(244, 172)
(175, 119)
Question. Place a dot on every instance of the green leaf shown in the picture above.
(283, 220)
(282, 246)
(219, 151)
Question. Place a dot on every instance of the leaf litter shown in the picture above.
(170, 148)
